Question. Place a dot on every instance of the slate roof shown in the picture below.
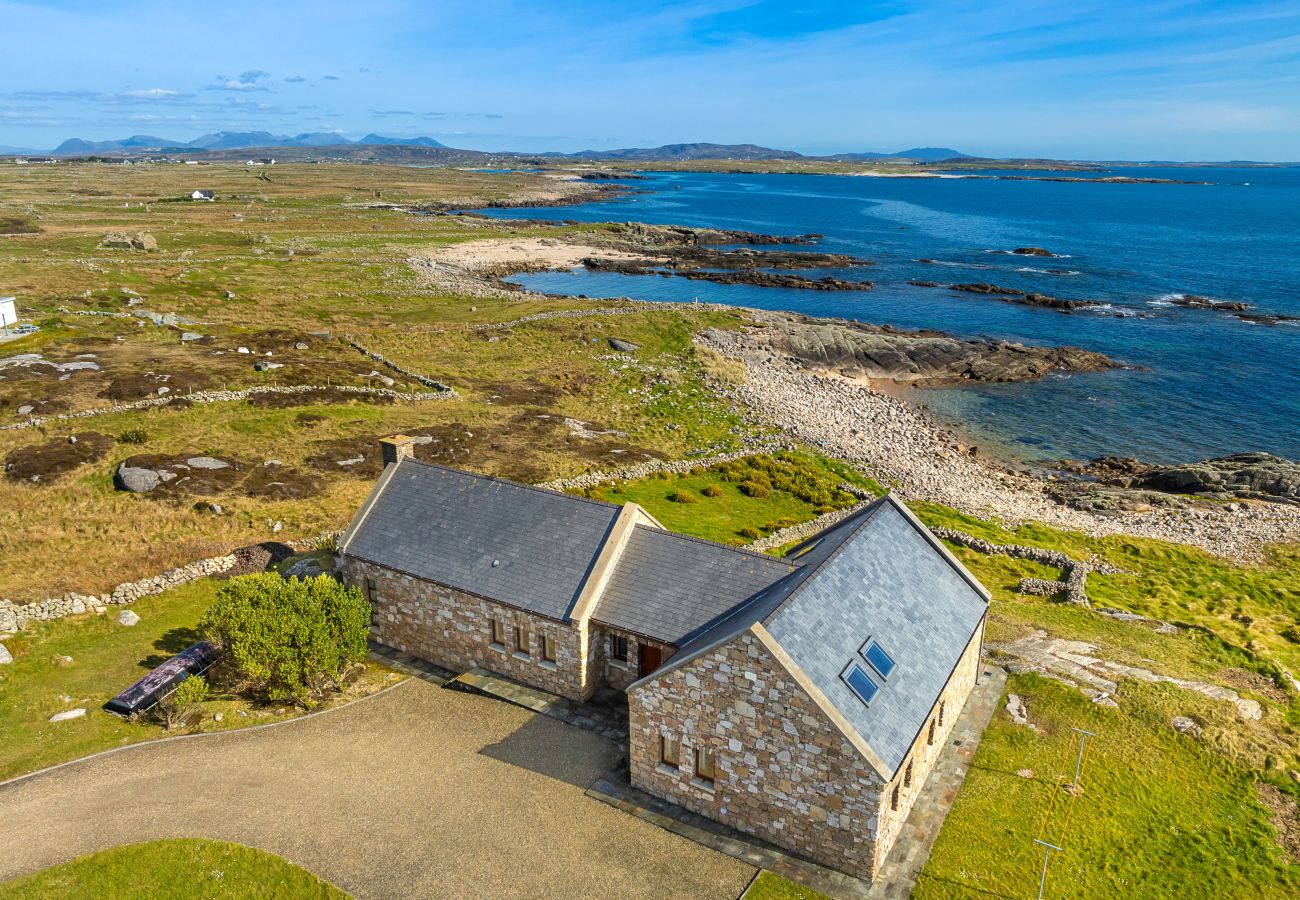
(669, 586)
(448, 526)
(877, 574)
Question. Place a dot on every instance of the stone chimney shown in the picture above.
(397, 448)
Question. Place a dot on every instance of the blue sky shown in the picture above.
(1087, 79)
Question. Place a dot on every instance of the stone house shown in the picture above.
(801, 699)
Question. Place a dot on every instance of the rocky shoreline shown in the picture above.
(810, 378)
(922, 460)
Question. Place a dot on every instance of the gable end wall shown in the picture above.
(784, 772)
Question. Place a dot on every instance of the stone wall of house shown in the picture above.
(924, 753)
(783, 772)
(619, 674)
(454, 630)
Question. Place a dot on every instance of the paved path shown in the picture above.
(419, 792)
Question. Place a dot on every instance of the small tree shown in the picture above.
(289, 639)
(183, 703)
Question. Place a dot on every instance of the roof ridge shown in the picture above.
(741, 550)
(512, 483)
(868, 514)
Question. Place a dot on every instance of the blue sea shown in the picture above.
(1204, 383)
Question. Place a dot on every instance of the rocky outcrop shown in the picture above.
(911, 357)
(1033, 251)
(1024, 298)
(1254, 476)
(1192, 301)
(121, 240)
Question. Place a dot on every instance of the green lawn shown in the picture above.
(770, 886)
(1162, 815)
(164, 870)
(802, 486)
(106, 658)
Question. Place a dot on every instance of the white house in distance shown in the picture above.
(8, 312)
(201, 194)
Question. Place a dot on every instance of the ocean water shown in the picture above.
(1203, 383)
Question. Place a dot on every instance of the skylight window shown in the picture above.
(881, 661)
(860, 683)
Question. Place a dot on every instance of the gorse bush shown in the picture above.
(760, 475)
(183, 703)
(712, 490)
(681, 497)
(288, 639)
(133, 436)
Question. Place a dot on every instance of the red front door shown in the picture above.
(650, 658)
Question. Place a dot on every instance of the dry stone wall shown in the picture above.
(228, 396)
(14, 617)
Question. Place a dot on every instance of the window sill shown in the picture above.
(618, 664)
(709, 787)
(667, 769)
(548, 664)
(519, 655)
(497, 648)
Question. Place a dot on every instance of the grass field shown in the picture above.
(165, 870)
(106, 657)
(303, 259)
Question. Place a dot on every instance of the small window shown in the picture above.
(618, 648)
(498, 632)
(907, 775)
(893, 798)
(941, 713)
(522, 638)
(881, 661)
(859, 682)
(548, 648)
(370, 590)
(930, 739)
(705, 766)
(670, 752)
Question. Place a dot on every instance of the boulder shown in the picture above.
(206, 462)
(1017, 710)
(623, 346)
(68, 714)
(1184, 725)
(5, 656)
(136, 480)
(1032, 251)
(264, 365)
(121, 240)
(128, 618)
(191, 336)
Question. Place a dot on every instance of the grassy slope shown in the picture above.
(106, 658)
(160, 870)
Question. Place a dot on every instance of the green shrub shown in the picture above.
(183, 703)
(755, 489)
(133, 436)
(752, 534)
(1291, 633)
(288, 639)
(681, 497)
(712, 490)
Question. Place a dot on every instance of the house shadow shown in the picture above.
(171, 643)
(549, 748)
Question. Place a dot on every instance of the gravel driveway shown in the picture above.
(418, 792)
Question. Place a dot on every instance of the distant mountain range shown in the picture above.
(264, 140)
(752, 151)
(232, 140)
